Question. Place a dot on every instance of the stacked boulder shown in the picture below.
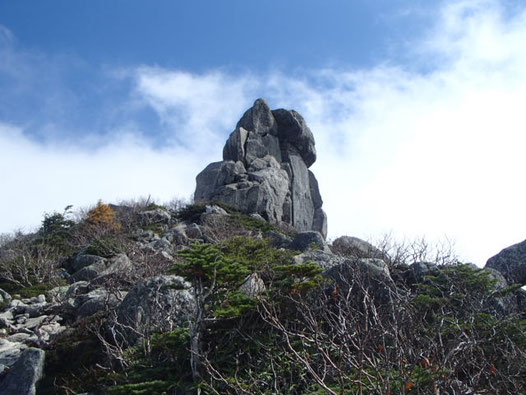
(265, 170)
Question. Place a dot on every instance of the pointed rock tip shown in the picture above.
(260, 102)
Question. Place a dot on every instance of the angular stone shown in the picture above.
(309, 240)
(4, 296)
(292, 129)
(252, 286)
(10, 351)
(234, 149)
(21, 379)
(157, 216)
(258, 146)
(324, 259)
(154, 305)
(259, 118)
(353, 247)
(302, 205)
(84, 260)
(89, 272)
(369, 274)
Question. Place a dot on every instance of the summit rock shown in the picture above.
(265, 170)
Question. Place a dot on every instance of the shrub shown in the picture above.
(27, 262)
(103, 215)
(191, 212)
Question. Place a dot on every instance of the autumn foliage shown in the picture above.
(103, 215)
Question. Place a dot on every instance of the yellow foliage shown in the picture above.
(103, 215)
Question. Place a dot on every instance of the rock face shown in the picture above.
(511, 263)
(265, 170)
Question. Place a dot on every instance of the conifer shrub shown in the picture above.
(191, 212)
(56, 231)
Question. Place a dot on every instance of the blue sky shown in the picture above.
(417, 109)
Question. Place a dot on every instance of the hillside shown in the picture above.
(239, 292)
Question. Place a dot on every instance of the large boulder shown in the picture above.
(369, 275)
(265, 170)
(309, 240)
(22, 377)
(353, 247)
(511, 263)
(157, 304)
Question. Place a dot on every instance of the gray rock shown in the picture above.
(277, 239)
(77, 288)
(353, 247)
(234, 149)
(156, 216)
(252, 286)
(420, 269)
(84, 260)
(146, 235)
(10, 352)
(6, 318)
(157, 304)
(213, 209)
(511, 263)
(89, 272)
(324, 259)
(259, 118)
(369, 274)
(265, 170)
(23, 337)
(95, 301)
(309, 240)
(32, 323)
(184, 234)
(97, 272)
(257, 216)
(505, 304)
(58, 294)
(22, 377)
(49, 331)
(4, 296)
(293, 130)
(161, 245)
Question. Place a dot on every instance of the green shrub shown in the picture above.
(106, 246)
(191, 212)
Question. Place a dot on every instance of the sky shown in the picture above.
(417, 107)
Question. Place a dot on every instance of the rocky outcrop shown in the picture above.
(511, 263)
(265, 170)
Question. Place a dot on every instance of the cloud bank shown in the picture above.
(432, 147)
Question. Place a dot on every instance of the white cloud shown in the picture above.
(197, 108)
(435, 152)
(37, 179)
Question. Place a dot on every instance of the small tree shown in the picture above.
(103, 215)
(215, 281)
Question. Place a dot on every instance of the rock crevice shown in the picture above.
(265, 170)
